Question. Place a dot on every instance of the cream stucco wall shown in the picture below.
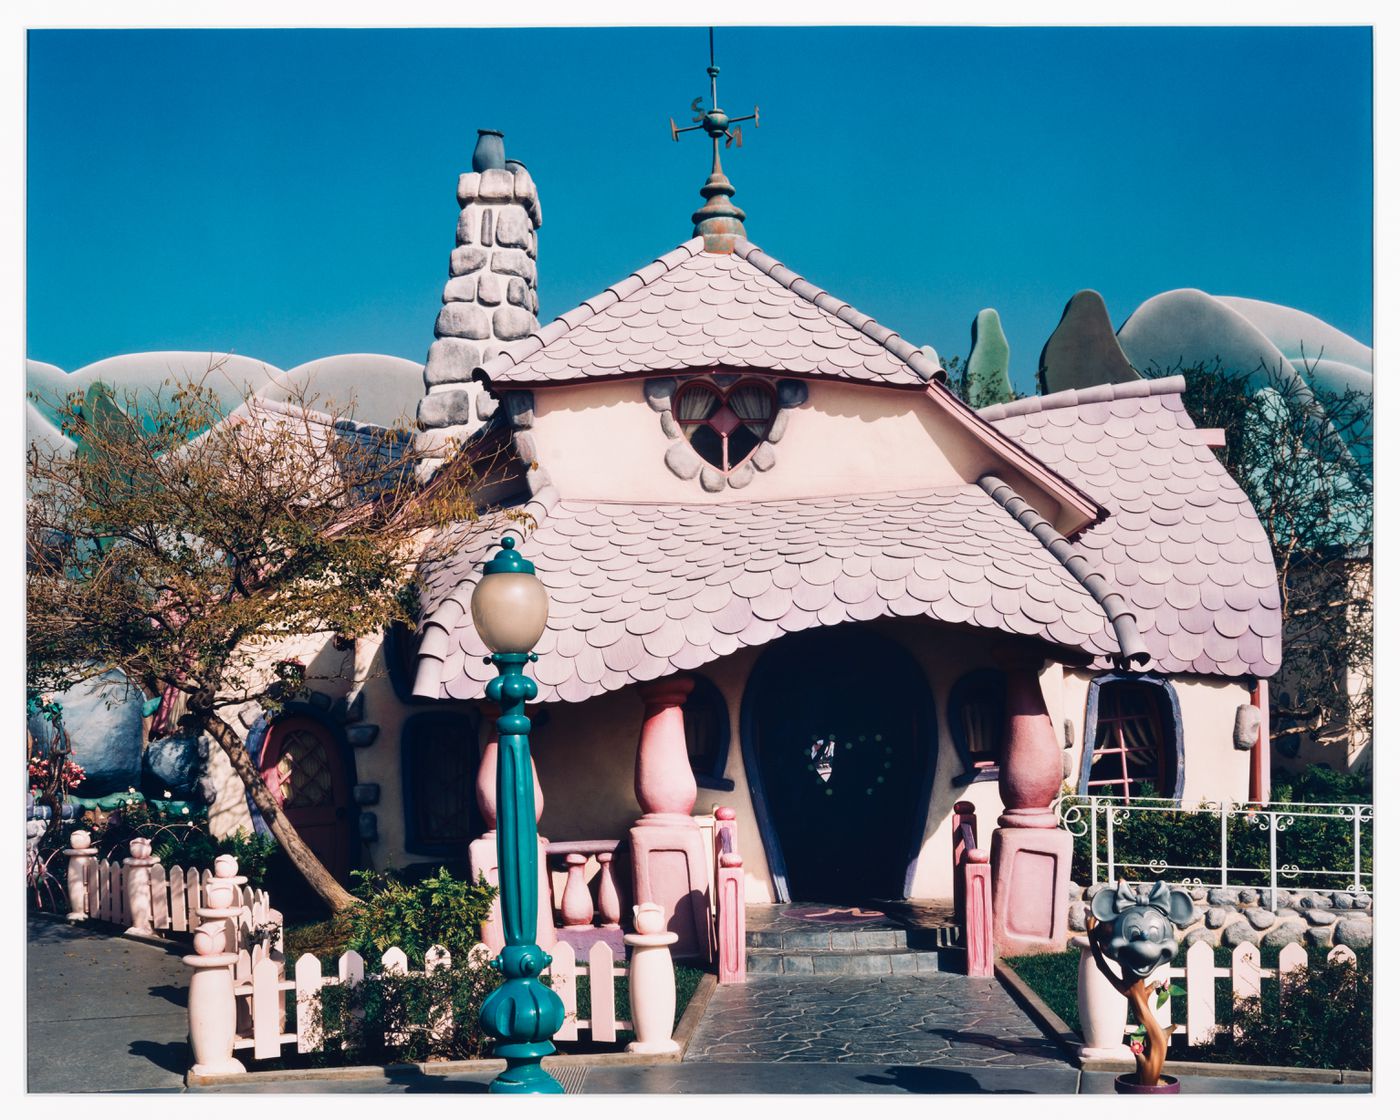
(604, 442)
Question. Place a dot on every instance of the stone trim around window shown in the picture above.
(685, 462)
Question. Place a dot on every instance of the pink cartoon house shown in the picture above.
(792, 574)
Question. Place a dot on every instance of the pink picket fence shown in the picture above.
(175, 895)
(1200, 972)
(261, 987)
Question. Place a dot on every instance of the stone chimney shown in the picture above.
(490, 299)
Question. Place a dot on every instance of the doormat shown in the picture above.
(819, 913)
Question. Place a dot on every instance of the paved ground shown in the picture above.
(104, 1012)
(945, 1020)
(107, 1013)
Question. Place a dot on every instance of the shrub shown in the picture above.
(1324, 1022)
(439, 910)
(388, 1019)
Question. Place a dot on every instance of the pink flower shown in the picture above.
(1135, 1047)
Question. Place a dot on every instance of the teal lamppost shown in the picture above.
(510, 609)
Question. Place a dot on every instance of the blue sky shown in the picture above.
(290, 194)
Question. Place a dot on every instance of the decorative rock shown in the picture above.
(490, 289)
(1284, 913)
(1075, 891)
(486, 406)
(741, 475)
(1319, 917)
(513, 262)
(369, 827)
(468, 228)
(1290, 932)
(778, 427)
(1238, 933)
(451, 361)
(1260, 918)
(1247, 721)
(1361, 902)
(1083, 351)
(659, 391)
(462, 320)
(1320, 936)
(1217, 916)
(177, 763)
(791, 393)
(497, 185)
(520, 407)
(1353, 932)
(989, 364)
(1077, 914)
(468, 186)
(1093, 888)
(511, 323)
(361, 734)
(1341, 900)
(518, 292)
(459, 289)
(486, 224)
(438, 410)
(512, 228)
(321, 701)
(1222, 896)
(711, 480)
(1198, 894)
(670, 427)
(366, 793)
(1248, 896)
(465, 259)
(1209, 936)
(682, 461)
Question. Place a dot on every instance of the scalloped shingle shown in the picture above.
(640, 592)
(1182, 543)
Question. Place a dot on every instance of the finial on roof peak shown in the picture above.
(719, 221)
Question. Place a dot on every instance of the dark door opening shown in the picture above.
(843, 736)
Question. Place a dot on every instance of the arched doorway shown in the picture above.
(839, 744)
(303, 763)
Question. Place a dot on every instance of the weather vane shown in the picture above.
(715, 122)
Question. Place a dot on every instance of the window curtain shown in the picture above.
(695, 403)
(753, 406)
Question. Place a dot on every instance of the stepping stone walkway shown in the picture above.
(937, 1019)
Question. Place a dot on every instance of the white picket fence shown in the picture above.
(260, 987)
(1245, 975)
(175, 893)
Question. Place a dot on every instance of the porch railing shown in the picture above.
(1249, 844)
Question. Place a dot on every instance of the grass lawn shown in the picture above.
(1326, 1028)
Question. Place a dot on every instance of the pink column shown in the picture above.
(482, 858)
(1030, 855)
(669, 864)
(730, 913)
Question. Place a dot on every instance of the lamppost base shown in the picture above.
(523, 1072)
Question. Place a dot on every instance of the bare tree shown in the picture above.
(181, 547)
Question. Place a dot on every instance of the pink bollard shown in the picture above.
(609, 905)
(138, 886)
(80, 857)
(651, 982)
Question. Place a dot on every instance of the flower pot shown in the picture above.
(1128, 1083)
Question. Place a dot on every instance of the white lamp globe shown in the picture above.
(510, 606)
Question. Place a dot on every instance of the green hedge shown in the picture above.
(1190, 840)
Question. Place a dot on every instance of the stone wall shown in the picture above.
(491, 297)
(1231, 916)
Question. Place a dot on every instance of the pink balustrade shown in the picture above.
(729, 898)
(972, 891)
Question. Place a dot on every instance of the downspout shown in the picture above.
(1260, 789)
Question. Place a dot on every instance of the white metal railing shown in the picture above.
(1102, 819)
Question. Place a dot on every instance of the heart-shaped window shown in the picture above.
(724, 426)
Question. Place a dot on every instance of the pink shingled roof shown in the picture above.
(692, 310)
(1182, 543)
(639, 592)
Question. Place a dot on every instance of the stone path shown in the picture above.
(940, 1019)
